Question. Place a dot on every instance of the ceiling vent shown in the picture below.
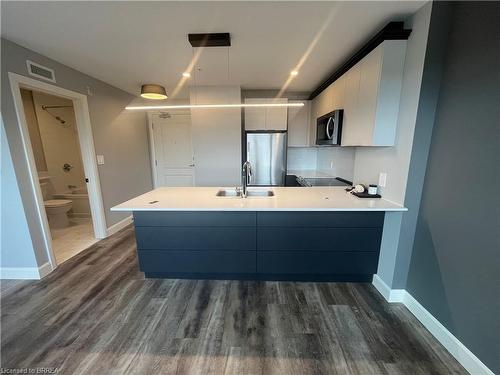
(40, 71)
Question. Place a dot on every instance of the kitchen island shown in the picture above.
(297, 234)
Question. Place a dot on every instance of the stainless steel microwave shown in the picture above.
(329, 128)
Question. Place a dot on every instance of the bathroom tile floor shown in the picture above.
(67, 242)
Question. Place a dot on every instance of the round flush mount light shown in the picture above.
(152, 91)
(186, 74)
(294, 73)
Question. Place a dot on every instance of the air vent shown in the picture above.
(39, 71)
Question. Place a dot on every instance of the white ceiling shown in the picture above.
(129, 43)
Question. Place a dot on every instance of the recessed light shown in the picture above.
(186, 74)
(294, 73)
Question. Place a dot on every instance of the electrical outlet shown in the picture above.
(382, 179)
(100, 159)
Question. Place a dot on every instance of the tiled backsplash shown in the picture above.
(302, 158)
(337, 161)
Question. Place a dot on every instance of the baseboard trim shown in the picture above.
(25, 273)
(44, 270)
(458, 350)
(120, 225)
(390, 295)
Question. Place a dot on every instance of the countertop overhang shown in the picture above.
(284, 199)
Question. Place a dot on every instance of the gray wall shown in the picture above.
(16, 247)
(121, 137)
(455, 266)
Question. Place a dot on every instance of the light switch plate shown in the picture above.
(382, 179)
(100, 159)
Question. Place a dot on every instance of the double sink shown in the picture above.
(236, 193)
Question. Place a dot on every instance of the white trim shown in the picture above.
(19, 273)
(44, 270)
(120, 225)
(458, 350)
(15, 83)
(391, 295)
(25, 273)
(90, 166)
(86, 145)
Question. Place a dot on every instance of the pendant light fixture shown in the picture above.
(153, 91)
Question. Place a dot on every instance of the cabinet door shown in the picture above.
(325, 101)
(276, 117)
(255, 118)
(298, 124)
(367, 97)
(338, 93)
(351, 92)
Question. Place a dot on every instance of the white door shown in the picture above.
(173, 150)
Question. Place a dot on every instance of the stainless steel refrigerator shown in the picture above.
(266, 151)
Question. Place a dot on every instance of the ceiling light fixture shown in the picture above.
(152, 91)
(186, 74)
(208, 106)
(294, 73)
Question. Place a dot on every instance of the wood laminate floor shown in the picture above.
(96, 314)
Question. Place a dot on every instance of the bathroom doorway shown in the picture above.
(83, 222)
(56, 149)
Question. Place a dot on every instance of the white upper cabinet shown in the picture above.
(255, 117)
(266, 118)
(350, 118)
(298, 124)
(371, 113)
(369, 93)
(338, 93)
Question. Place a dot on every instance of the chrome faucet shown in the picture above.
(245, 178)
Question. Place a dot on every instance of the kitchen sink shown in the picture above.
(250, 193)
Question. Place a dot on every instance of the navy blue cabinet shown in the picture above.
(259, 245)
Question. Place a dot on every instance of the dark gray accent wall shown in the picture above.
(455, 265)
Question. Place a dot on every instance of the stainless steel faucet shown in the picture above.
(245, 178)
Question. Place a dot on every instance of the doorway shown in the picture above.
(54, 141)
(172, 150)
(58, 144)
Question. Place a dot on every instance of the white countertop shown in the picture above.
(310, 173)
(285, 199)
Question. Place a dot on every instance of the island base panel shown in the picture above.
(295, 246)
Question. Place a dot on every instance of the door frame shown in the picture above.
(151, 137)
(86, 140)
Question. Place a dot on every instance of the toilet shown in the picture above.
(57, 212)
(56, 209)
